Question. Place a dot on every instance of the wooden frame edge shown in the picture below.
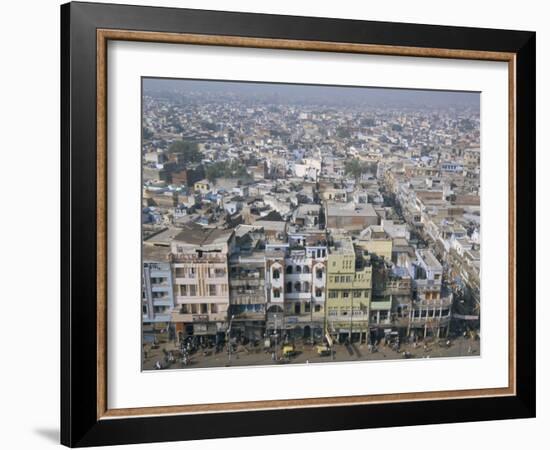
(103, 36)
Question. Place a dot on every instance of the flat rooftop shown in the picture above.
(351, 209)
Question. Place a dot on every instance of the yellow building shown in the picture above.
(349, 285)
(375, 240)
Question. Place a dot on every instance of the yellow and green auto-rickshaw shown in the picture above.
(288, 351)
(323, 350)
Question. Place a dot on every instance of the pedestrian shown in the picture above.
(272, 356)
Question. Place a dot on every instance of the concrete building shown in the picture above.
(430, 314)
(157, 286)
(349, 284)
(199, 259)
(247, 298)
(350, 217)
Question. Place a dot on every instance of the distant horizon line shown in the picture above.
(310, 91)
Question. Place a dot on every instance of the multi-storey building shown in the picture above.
(304, 297)
(275, 287)
(247, 294)
(157, 287)
(199, 259)
(430, 313)
(349, 284)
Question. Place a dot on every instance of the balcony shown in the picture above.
(186, 280)
(163, 301)
(246, 282)
(247, 298)
(380, 306)
(191, 299)
(178, 316)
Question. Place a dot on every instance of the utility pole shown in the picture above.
(229, 338)
(351, 317)
(276, 337)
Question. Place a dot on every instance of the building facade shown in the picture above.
(349, 289)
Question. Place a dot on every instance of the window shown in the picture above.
(332, 294)
(317, 308)
(289, 269)
(319, 273)
(192, 272)
(289, 287)
(192, 290)
(306, 286)
(307, 307)
(212, 290)
(298, 286)
(184, 309)
(204, 308)
(183, 290)
(213, 308)
(356, 294)
(276, 274)
(337, 279)
(306, 269)
(298, 269)
(345, 294)
(276, 293)
(318, 292)
(297, 308)
(194, 308)
(219, 273)
(144, 309)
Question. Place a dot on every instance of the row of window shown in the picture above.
(199, 308)
(297, 289)
(156, 309)
(297, 308)
(191, 272)
(296, 269)
(190, 290)
(357, 293)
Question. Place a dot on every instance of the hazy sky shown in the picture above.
(317, 94)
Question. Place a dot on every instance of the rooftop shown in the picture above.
(347, 209)
(196, 235)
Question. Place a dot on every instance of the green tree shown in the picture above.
(355, 168)
(189, 150)
(226, 169)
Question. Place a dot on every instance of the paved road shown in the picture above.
(305, 354)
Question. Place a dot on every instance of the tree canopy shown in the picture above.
(355, 168)
(226, 169)
(188, 150)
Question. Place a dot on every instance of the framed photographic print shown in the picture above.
(277, 224)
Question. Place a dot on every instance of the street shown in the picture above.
(306, 353)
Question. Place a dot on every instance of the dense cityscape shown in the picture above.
(302, 224)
